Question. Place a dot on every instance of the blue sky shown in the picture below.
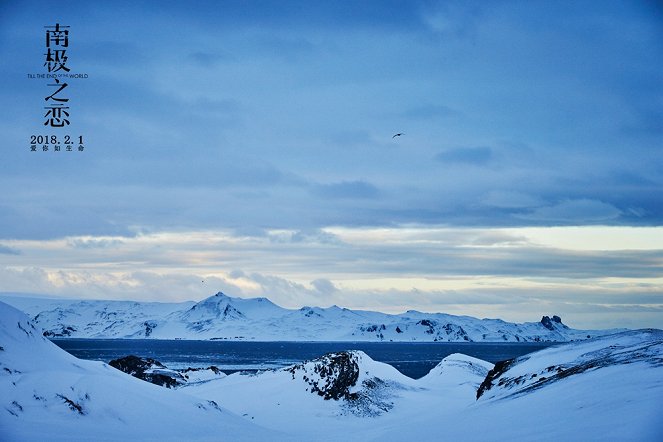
(249, 145)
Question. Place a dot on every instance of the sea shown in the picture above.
(413, 359)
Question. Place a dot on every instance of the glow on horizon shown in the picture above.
(594, 237)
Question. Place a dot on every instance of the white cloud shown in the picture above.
(462, 271)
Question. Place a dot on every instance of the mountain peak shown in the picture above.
(551, 323)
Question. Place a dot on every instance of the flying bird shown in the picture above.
(397, 135)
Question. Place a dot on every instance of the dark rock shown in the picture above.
(149, 370)
(494, 373)
(71, 404)
(63, 332)
(337, 373)
(428, 323)
(149, 326)
(214, 369)
(547, 323)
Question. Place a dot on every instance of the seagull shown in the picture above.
(397, 135)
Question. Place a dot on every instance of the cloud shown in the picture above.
(483, 272)
(579, 211)
(510, 200)
(5, 250)
(91, 243)
(347, 190)
(324, 286)
(303, 236)
(283, 291)
(467, 155)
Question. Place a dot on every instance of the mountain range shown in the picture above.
(229, 318)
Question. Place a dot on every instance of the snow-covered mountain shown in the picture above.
(225, 317)
(607, 388)
(48, 395)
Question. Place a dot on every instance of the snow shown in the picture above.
(617, 401)
(47, 394)
(224, 317)
(608, 388)
(197, 376)
(458, 369)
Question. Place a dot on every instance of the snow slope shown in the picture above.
(611, 389)
(607, 388)
(225, 317)
(48, 395)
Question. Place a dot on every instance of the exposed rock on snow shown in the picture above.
(155, 372)
(552, 324)
(331, 376)
(351, 377)
(148, 370)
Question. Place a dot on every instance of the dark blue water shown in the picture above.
(412, 359)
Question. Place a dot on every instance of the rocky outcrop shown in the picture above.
(149, 370)
(60, 332)
(155, 372)
(348, 377)
(551, 324)
(499, 368)
(330, 376)
(149, 326)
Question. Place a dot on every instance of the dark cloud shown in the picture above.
(577, 212)
(240, 117)
(510, 200)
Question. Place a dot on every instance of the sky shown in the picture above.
(247, 146)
